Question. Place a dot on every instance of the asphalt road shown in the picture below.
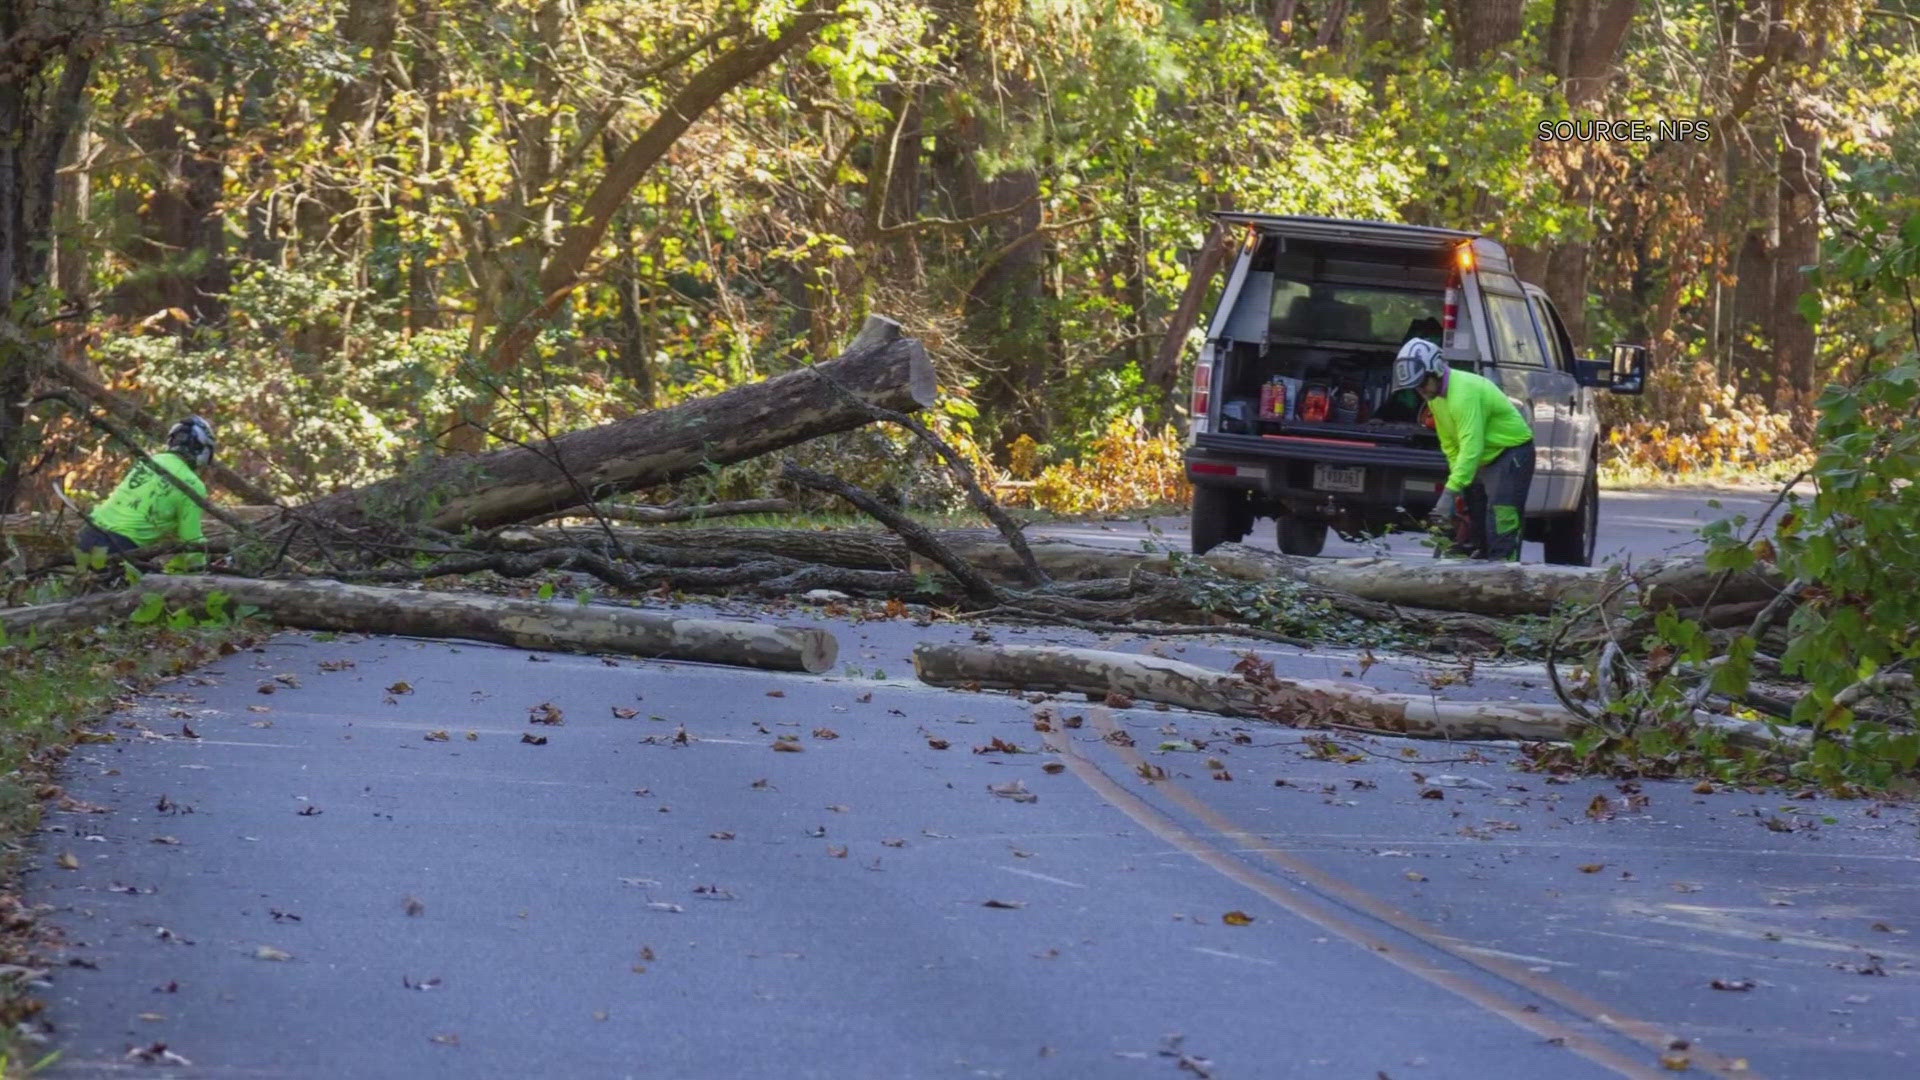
(1639, 524)
(316, 886)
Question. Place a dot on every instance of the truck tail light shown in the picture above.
(1202, 389)
(1450, 314)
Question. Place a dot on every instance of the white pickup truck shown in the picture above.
(1291, 412)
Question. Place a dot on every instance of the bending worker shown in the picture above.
(1489, 448)
(148, 507)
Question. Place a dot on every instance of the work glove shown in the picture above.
(1443, 509)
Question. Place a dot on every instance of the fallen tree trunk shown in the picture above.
(528, 624)
(505, 486)
(667, 515)
(1300, 702)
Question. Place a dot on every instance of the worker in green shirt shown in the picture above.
(1489, 448)
(148, 507)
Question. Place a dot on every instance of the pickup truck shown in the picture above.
(1291, 415)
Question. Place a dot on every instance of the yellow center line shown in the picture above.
(1640, 1031)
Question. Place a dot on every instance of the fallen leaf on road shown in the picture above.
(1222, 774)
(1237, 918)
(713, 892)
(762, 784)
(533, 740)
(292, 681)
(309, 810)
(1117, 700)
(1117, 738)
(864, 698)
(662, 905)
(625, 713)
(1600, 809)
(157, 1054)
(1415, 875)
(414, 906)
(938, 744)
(172, 841)
(447, 1039)
(1704, 787)
(266, 688)
(1433, 793)
(825, 733)
(776, 693)
(788, 744)
(1006, 905)
(1150, 771)
(721, 835)
(546, 713)
(473, 736)
(68, 861)
(839, 808)
(400, 688)
(836, 851)
(335, 665)
(420, 984)
(1053, 767)
(998, 746)
(187, 732)
(1675, 1062)
(437, 735)
(268, 952)
(1732, 984)
(893, 841)
(1074, 721)
(1593, 867)
(1015, 790)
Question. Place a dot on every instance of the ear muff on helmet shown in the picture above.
(192, 439)
(1417, 359)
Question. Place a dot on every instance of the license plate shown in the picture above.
(1339, 478)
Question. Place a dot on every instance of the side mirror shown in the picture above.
(1594, 373)
(1629, 369)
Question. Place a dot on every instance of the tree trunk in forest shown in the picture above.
(1006, 307)
(1163, 372)
(563, 626)
(1753, 196)
(1298, 702)
(326, 219)
(181, 251)
(1799, 251)
(481, 491)
(1481, 27)
(48, 54)
(1584, 46)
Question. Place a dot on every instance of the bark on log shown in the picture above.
(667, 515)
(510, 485)
(848, 549)
(528, 624)
(1301, 702)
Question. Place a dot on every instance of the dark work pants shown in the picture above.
(115, 544)
(1496, 501)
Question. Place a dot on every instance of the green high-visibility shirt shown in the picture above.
(146, 508)
(1475, 421)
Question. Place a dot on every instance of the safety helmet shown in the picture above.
(192, 439)
(1418, 359)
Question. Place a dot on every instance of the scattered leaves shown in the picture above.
(788, 744)
(624, 713)
(825, 733)
(268, 952)
(938, 744)
(68, 861)
(1053, 768)
(1592, 867)
(546, 713)
(437, 735)
(1005, 905)
(400, 688)
(1117, 700)
(533, 740)
(1741, 985)
(1237, 918)
(414, 907)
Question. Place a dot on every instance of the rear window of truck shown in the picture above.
(1357, 313)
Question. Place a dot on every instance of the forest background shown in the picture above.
(357, 233)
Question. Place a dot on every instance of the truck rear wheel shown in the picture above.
(1571, 539)
(1298, 536)
(1220, 516)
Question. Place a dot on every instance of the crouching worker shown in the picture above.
(1488, 444)
(148, 507)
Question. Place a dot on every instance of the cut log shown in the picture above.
(844, 548)
(1301, 702)
(528, 624)
(511, 485)
(667, 515)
